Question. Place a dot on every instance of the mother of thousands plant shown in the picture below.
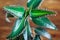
(22, 29)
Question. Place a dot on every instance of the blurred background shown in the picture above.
(5, 27)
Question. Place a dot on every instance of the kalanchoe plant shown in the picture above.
(22, 29)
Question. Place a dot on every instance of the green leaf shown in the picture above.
(33, 3)
(37, 37)
(27, 33)
(17, 11)
(42, 32)
(18, 28)
(39, 13)
(44, 22)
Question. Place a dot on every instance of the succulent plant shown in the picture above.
(22, 29)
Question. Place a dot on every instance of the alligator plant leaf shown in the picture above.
(44, 22)
(22, 27)
(33, 3)
(42, 32)
(27, 33)
(39, 13)
(18, 28)
(17, 11)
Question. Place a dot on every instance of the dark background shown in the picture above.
(6, 27)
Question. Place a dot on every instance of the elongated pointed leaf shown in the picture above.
(18, 28)
(42, 32)
(15, 10)
(39, 13)
(33, 3)
(27, 33)
(37, 37)
(44, 22)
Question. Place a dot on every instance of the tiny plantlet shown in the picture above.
(22, 29)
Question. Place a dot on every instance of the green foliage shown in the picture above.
(17, 11)
(18, 28)
(42, 32)
(33, 3)
(44, 22)
(22, 27)
(39, 13)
